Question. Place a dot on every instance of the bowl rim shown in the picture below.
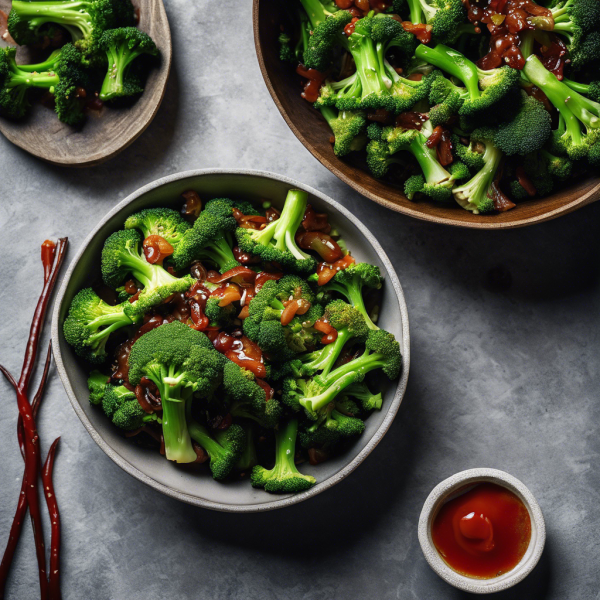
(495, 584)
(188, 498)
(579, 202)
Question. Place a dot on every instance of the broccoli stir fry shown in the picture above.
(235, 335)
(482, 103)
(96, 56)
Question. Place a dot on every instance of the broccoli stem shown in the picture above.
(415, 11)
(72, 15)
(367, 64)
(289, 222)
(47, 65)
(315, 11)
(581, 88)
(329, 113)
(314, 404)
(219, 252)
(354, 295)
(427, 159)
(45, 80)
(285, 450)
(118, 60)
(569, 103)
(178, 445)
(452, 62)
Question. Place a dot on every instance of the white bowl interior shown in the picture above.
(195, 485)
(453, 487)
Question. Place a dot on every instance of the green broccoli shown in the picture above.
(368, 400)
(180, 361)
(559, 167)
(579, 122)
(351, 282)
(348, 129)
(263, 324)
(441, 113)
(469, 155)
(389, 35)
(225, 447)
(486, 89)
(527, 132)
(122, 407)
(591, 89)
(382, 351)
(325, 35)
(350, 326)
(97, 383)
(248, 458)
(334, 427)
(284, 477)
(122, 46)
(247, 398)
(444, 16)
(165, 222)
(276, 241)
(85, 20)
(210, 238)
(121, 258)
(476, 194)
(63, 77)
(90, 322)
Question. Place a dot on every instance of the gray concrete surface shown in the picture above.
(503, 375)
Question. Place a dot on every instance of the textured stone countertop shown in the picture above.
(504, 374)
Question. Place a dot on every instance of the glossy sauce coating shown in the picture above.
(482, 533)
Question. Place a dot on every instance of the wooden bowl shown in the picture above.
(312, 130)
(103, 135)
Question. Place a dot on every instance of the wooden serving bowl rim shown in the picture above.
(473, 221)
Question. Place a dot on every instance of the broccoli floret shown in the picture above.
(368, 400)
(437, 182)
(263, 324)
(121, 258)
(180, 361)
(122, 46)
(97, 383)
(165, 222)
(350, 326)
(121, 406)
(323, 39)
(85, 20)
(348, 128)
(468, 154)
(333, 428)
(219, 316)
(62, 77)
(224, 446)
(284, 477)
(475, 195)
(90, 322)
(444, 16)
(559, 167)
(486, 89)
(441, 113)
(276, 241)
(388, 34)
(382, 351)
(527, 132)
(248, 398)
(210, 239)
(578, 21)
(351, 282)
(579, 123)
(535, 167)
(380, 159)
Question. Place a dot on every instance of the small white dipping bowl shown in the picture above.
(443, 492)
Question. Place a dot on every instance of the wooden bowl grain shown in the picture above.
(104, 134)
(312, 130)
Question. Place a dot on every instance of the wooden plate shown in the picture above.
(104, 134)
(312, 130)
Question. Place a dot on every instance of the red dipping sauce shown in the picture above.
(482, 533)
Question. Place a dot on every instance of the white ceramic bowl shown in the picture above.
(148, 466)
(438, 497)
